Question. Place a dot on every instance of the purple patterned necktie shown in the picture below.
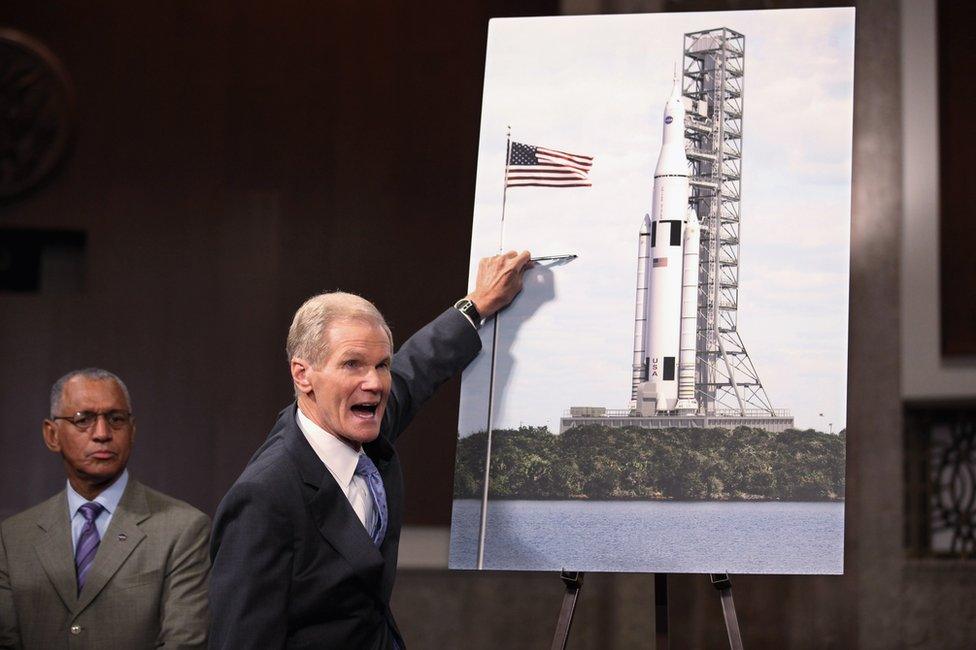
(87, 541)
(368, 471)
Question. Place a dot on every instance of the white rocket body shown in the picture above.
(667, 284)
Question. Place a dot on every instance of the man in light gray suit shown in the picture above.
(106, 562)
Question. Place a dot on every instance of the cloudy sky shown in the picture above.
(597, 86)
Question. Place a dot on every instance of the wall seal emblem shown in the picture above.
(36, 113)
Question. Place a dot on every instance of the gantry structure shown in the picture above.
(712, 79)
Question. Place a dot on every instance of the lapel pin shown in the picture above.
(123, 537)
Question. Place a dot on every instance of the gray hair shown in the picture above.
(57, 390)
(308, 335)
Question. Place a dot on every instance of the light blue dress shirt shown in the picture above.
(109, 499)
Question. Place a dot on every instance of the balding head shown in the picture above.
(97, 374)
(308, 336)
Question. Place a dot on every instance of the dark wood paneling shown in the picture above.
(957, 180)
(232, 159)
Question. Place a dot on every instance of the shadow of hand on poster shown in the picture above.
(538, 288)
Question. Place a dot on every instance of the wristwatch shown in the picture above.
(470, 312)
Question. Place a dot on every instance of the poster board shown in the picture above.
(653, 410)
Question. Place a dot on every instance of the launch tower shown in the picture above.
(714, 383)
(713, 69)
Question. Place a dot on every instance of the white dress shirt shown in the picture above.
(108, 499)
(341, 460)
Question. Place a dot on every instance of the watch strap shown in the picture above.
(468, 309)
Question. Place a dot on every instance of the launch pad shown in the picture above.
(777, 422)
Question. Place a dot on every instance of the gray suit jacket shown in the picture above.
(146, 588)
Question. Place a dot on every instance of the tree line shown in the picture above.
(598, 462)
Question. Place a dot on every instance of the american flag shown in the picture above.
(529, 165)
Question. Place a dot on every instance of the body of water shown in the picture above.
(652, 536)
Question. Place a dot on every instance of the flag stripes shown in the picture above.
(532, 166)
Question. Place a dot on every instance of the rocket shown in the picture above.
(666, 319)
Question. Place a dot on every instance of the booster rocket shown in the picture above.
(666, 320)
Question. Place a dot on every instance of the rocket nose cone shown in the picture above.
(675, 91)
(674, 118)
(674, 108)
(674, 112)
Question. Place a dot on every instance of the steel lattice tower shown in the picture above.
(712, 72)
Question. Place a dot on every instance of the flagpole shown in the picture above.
(491, 377)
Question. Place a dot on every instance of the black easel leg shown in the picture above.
(661, 611)
(573, 581)
(722, 582)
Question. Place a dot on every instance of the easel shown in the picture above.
(573, 581)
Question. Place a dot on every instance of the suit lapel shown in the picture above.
(54, 549)
(121, 538)
(331, 511)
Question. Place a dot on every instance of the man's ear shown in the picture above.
(299, 375)
(50, 432)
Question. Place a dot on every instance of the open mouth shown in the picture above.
(365, 410)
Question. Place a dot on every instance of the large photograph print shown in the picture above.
(668, 392)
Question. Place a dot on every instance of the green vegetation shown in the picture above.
(597, 462)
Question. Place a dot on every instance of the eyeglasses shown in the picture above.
(85, 420)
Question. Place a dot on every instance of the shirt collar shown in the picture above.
(108, 498)
(339, 458)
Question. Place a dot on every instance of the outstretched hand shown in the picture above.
(499, 281)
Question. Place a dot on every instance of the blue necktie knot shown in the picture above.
(91, 510)
(366, 469)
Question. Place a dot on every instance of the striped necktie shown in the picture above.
(87, 541)
(368, 471)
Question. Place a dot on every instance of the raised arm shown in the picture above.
(450, 342)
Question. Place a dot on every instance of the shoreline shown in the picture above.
(660, 500)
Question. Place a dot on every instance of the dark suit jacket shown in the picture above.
(146, 588)
(292, 564)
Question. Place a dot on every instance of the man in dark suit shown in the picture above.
(106, 562)
(305, 542)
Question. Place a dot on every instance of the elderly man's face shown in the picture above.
(349, 390)
(95, 457)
